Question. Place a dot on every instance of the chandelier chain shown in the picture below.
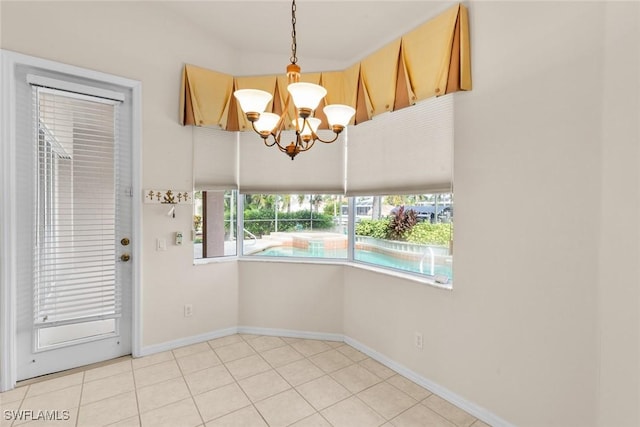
(269, 125)
(294, 44)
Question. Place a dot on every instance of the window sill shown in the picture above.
(295, 260)
(216, 260)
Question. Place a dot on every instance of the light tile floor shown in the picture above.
(239, 380)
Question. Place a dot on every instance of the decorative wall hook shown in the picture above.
(168, 197)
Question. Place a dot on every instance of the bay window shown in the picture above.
(387, 205)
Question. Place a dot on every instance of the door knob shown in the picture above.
(125, 241)
(125, 257)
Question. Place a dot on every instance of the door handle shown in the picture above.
(125, 241)
(125, 257)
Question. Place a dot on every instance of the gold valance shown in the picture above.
(432, 60)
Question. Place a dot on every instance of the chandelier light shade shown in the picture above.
(306, 97)
(338, 115)
(266, 123)
(253, 101)
(308, 127)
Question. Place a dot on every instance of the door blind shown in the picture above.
(75, 276)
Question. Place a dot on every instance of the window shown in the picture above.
(295, 225)
(215, 223)
(406, 232)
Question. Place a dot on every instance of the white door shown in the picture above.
(74, 275)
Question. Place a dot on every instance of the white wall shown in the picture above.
(529, 134)
(145, 43)
(519, 333)
(291, 296)
(619, 264)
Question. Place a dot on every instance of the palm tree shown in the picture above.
(259, 201)
(375, 207)
(316, 200)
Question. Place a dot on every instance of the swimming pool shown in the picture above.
(364, 256)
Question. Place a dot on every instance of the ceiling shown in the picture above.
(344, 31)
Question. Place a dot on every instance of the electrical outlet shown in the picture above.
(188, 310)
(417, 340)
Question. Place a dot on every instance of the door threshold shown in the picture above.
(71, 371)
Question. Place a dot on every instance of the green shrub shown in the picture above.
(431, 234)
(422, 232)
(376, 228)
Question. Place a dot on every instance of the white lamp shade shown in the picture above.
(252, 100)
(338, 114)
(306, 95)
(311, 126)
(267, 122)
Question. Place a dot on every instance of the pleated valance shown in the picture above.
(432, 60)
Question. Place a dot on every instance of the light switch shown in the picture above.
(161, 244)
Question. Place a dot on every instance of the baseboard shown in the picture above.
(462, 403)
(194, 339)
(290, 333)
(475, 410)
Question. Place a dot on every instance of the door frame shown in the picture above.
(8, 215)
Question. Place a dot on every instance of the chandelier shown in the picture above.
(305, 96)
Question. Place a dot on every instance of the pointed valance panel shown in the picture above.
(432, 60)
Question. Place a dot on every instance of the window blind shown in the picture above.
(268, 170)
(75, 275)
(215, 159)
(403, 152)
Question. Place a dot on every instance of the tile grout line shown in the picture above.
(292, 387)
(224, 365)
(135, 392)
(186, 385)
(80, 400)
(324, 374)
(238, 383)
(273, 368)
(13, 422)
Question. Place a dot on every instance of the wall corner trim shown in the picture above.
(288, 333)
(194, 339)
(473, 409)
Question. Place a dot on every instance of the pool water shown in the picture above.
(368, 257)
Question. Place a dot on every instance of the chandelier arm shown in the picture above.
(279, 127)
(265, 138)
(308, 145)
(253, 126)
(269, 144)
(316, 137)
(276, 142)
